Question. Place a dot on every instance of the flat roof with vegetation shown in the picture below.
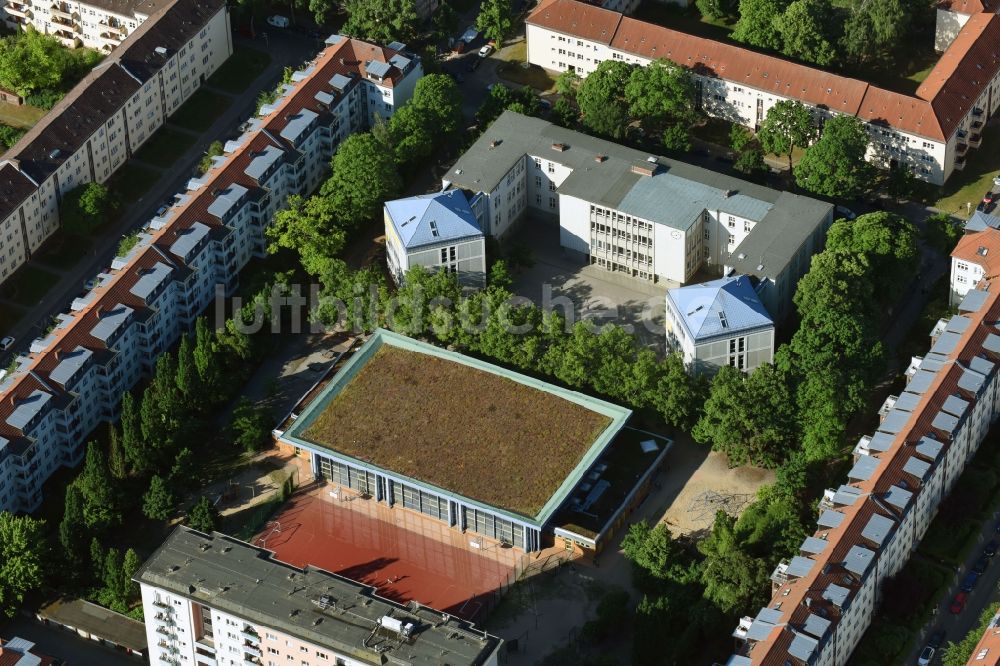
(471, 430)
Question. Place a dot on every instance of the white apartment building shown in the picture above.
(719, 323)
(97, 24)
(976, 255)
(649, 217)
(97, 127)
(211, 600)
(824, 598)
(438, 231)
(74, 377)
(930, 131)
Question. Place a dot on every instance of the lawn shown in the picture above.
(28, 285)
(968, 186)
(514, 69)
(63, 250)
(239, 71)
(132, 182)
(200, 111)
(165, 147)
(20, 116)
(463, 429)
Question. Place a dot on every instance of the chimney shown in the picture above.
(560, 147)
(644, 169)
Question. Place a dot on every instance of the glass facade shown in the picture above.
(419, 500)
(489, 525)
(362, 481)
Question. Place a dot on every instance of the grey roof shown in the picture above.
(298, 124)
(803, 647)
(69, 364)
(400, 62)
(881, 441)
(263, 161)
(225, 200)
(830, 518)
(946, 342)
(992, 343)
(813, 546)
(898, 497)
(933, 361)
(332, 39)
(917, 467)
(816, 625)
(958, 324)
(907, 401)
(864, 468)
(877, 529)
(612, 183)
(971, 381)
(378, 69)
(836, 594)
(237, 578)
(929, 447)
(846, 495)
(188, 239)
(340, 82)
(396, 46)
(763, 624)
(981, 365)
(955, 405)
(858, 560)
(894, 421)
(945, 422)
(800, 566)
(973, 300)
(921, 381)
(981, 221)
(324, 98)
(97, 621)
(150, 280)
(27, 409)
(110, 322)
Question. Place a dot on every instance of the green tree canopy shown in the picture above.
(101, 507)
(382, 21)
(495, 19)
(734, 580)
(158, 503)
(873, 28)
(22, 543)
(756, 23)
(835, 166)
(602, 100)
(661, 95)
(804, 28)
(308, 226)
(72, 529)
(86, 207)
(787, 125)
(650, 549)
(203, 516)
(251, 426)
(31, 61)
(749, 154)
(439, 95)
(364, 176)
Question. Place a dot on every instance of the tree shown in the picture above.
(716, 9)
(942, 232)
(158, 503)
(10, 135)
(733, 580)
(495, 19)
(187, 373)
(803, 28)
(307, 225)
(204, 353)
(788, 125)
(651, 549)
(567, 84)
(382, 21)
(901, 182)
(835, 165)
(115, 585)
(887, 241)
(502, 98)
(184, 471)
(203, 516)
(85, 207)
(873, 28)
(749, 154)
(412, 134)
(215, 149)
(96, 559)
(117, 462)
(445, 20)
(564, 113)
(678, 395)
(751, 419)
(130, 566)
(72, 529)
(97, 489)
(439, 95)
(132, 443)
(251, 425)
(756, 23)
(31, 61)
(957, 654)
(661, 95)
(364, 175)
(21, 553)
(602, 100)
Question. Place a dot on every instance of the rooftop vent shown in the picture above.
(494, 143)
(982, 251)
(729, 193)
(161, 51)
(651, 159)
(560, 147)
(54, 153)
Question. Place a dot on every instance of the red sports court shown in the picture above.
(405, 555)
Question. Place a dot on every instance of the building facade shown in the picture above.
(437, 231)
(930, 131)
(649, 217)
(74, 377)
(975, 256)
(100, 24)
(824, 598)
(211, 600)
(100, 124)
(719, 323)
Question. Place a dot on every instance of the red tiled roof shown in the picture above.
(990, 643)
(965, 6)
(576, 18)
(970, 245)
(901, 112)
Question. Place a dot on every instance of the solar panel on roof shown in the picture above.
(830, 518)
(846, 495)
(69, 364)
(297, 125)
(946, 343)
(898, 497)
(864, 468)
(800, 566)
(929, 448)
(858, 560)
(803, 647)
(816, 625)
(836, 594)
(971, 381)
(921, 381)
(110, 322)
(400, 62)
(981, 365)
(877, 529)
(955, 405)
(771, 615)
(813, 546)
(880, 441)
(150, 280)
(378, 69)
(188, 239)
(27, 409)
(332, 39)
(917, 468)
(260, 164)
(894, 421)
(340, 82)
(973, 301)
(945, 422)
(907, 401)
(396, 46)
(958, 324)
(992, 343)
(933, 362)
(759, 630)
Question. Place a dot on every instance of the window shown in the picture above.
(747, 226)
(962, 266)
(708, 234)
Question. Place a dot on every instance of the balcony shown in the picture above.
(70, 42)
(18, 9)
(163, 620)
(961, 148)
(111, 38)
(166, 631)
(977, 112)
(959, 163)
(252, 649)
(976, 139)
(61, 11)
(251, 635)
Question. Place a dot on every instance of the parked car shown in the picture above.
(470, 34)
(937, 639)
(969, 582)
(981, 564)
(958, 603)
(485, 51)
(6, 343)
(277, 21)
(991, 548)
(845, 212)
(925, 656)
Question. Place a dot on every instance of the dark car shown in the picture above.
(991, 548)
(981, 564)
(969, 582)
(958, 603)
(937, 639)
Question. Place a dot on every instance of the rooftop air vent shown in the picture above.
(559, 147)
(161, 51)
(982, 251)
(600, 158)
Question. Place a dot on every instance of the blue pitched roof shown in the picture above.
(430, 219)
(719, 307)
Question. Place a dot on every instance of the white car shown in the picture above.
(925, 656)
(277, 21)
(485, 51)
(7, 343)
